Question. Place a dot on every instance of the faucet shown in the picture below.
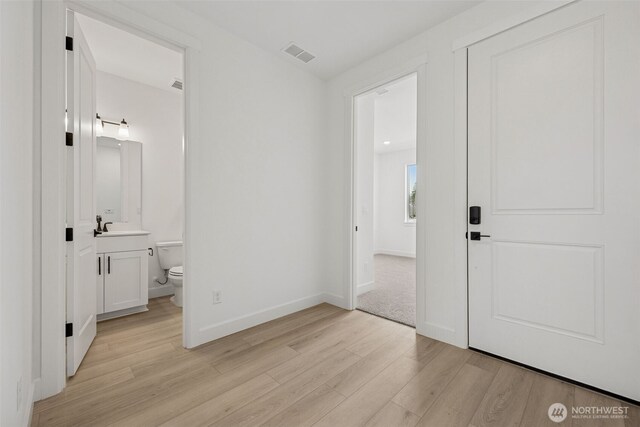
(104, 227)
(99, 221)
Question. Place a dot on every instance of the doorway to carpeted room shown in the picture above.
(394, 294)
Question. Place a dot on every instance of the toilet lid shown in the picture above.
(176, 271)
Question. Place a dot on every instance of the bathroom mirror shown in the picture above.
(119, 180)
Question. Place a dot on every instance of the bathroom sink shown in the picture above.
(124, 233)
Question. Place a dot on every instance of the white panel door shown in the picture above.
(554, 163)
(81, 198)
(125, 282)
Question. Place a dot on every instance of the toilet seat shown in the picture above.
(176, 271)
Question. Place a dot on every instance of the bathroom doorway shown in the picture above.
(125, 193)
(385, 175)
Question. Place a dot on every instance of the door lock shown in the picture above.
(475, 235)
(474, 215)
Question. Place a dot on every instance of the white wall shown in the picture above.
(444, 308)
(257, 176)
(392, 235)
(365, 125)
(155, 120)
(16, 204)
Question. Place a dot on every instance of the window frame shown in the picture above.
(407, 194)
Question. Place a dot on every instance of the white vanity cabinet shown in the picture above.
(122, 285)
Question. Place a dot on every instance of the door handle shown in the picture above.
(475, 235)
(109, 264)
(99, 266)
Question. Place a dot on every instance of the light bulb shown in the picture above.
(99, 125)
(123, 131)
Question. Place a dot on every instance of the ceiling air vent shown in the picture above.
(298, 52)
(176, 84)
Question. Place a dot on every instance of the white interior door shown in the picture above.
(554, 163)
(82, 265)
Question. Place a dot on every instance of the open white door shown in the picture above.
(554, 163)
(81, 197)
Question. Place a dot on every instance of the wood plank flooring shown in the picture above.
(322, 366)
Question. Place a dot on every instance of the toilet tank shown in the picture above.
(169, 254)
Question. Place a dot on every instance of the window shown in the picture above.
(410, 194)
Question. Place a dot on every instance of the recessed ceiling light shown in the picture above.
(387, 142)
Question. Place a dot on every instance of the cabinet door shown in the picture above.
(125, 284)
(100, 284)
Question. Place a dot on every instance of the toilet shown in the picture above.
(170, 258)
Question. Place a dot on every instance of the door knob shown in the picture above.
(475, 235)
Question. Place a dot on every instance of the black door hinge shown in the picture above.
(69, 139)
(68, 235)
(68, 330)
(356, 228)
(68, 43)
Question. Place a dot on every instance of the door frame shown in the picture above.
(459, 334)
(417, 66)
(459, 49)
(52, 315)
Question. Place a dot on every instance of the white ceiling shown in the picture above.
(119, 52)
(341, 34)
(395, 115)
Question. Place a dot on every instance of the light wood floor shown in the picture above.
(322, 366)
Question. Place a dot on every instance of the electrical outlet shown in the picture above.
(217, 296)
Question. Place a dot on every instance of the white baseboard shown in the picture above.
(394, 253)
(231, 326)
(160, 291)
(366, 287)
(337, 300)
(28, 410)
(37, 390)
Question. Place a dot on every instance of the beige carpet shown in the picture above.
(395, 294)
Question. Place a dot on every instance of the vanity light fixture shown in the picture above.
(123, 132)
(386, 142)
(123, 127)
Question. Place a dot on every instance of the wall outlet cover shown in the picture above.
(217, 297)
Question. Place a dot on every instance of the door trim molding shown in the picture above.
(52, 185)
(539, 9)
(418, 66)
